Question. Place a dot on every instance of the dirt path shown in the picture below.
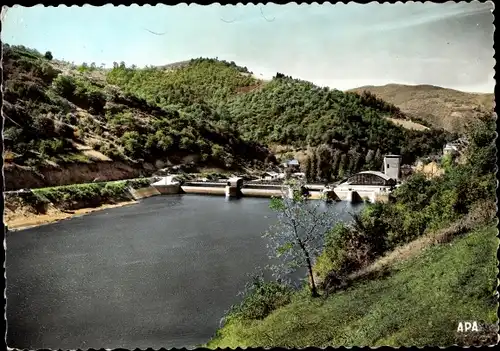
(23, 218)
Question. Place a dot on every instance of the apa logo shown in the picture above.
(467, 327)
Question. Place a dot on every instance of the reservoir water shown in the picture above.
(160, 273)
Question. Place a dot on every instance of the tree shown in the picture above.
(342, 166)
(308, 171)
(336, 163)
(378, 161)
(370, 156)
(48, 55)
(297, 238)
(324, 165)
(314, 165)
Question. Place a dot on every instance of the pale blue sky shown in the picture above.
(341, 46)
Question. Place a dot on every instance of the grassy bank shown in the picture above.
(73, 197)
(417, 302)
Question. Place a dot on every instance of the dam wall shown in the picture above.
(204, 190)
(360, 196)
(170, 189)
(142, 193)
(236, 188)
(263, 192)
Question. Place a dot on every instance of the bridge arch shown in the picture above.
(370, 178)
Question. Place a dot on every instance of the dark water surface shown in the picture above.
(157, 274)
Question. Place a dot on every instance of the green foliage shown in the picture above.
(64, 85)
(88, 195)
(285, 110)
(134, 127)
(80, 91)
(48, 55)
(417, 302)
(420, 205)
(349, 248)
(260, 299)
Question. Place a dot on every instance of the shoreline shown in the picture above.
(21, 221)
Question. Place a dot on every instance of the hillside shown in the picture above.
(438, 107)
(67, 124)
(283, 111)
(414, 302)
(401, 273)
(59, 117)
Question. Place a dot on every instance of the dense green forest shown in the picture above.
(283, 111)
(49, 107)
(209, 108)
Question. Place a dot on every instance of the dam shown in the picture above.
(366, 186)
(349, 191)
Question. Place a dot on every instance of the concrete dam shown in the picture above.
(237, 188)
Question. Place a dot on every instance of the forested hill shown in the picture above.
(212, 110)
(283, 111)
(55, 110)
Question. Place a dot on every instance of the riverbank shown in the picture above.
(24, 218)
(416, 301)
(46, 205)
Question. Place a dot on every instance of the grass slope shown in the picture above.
(418, 302)
(442, 108)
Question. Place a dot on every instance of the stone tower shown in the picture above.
(392, 166)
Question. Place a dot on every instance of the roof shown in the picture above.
(393, 156)
(376, 173)
(292, 162)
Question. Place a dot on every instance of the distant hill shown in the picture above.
(440, 107)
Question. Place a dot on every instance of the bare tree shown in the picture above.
(297, 237)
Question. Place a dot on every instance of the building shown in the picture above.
(369, 178)
(371, 184)
(293, 165)
(270, 176)
(299, 175)
(450, 149)
(392, 166)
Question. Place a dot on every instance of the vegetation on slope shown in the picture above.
(418, 302)
(209, 111)
(49, 111)
(283, 111)
(73, 197)
(434, 292)
(438, 107)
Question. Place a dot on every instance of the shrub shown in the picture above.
(349, 248)
(334, 253)
(64, 85)
(48, 55)
(51, 146)
(44, 126)
(132, 142)
(260, 299)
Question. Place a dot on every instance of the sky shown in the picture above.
(342, 46)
